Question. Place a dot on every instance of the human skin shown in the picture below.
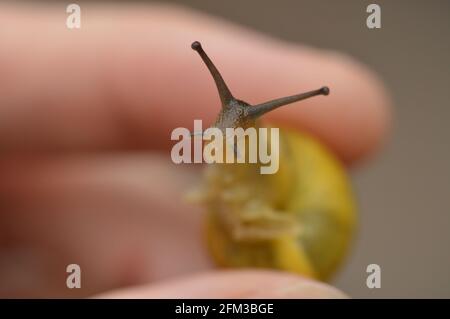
(86, 114)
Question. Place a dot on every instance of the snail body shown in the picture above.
(299, 219)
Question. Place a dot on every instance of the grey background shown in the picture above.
(404, 193)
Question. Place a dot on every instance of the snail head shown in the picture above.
(237, 113)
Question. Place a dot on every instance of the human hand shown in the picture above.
(85, 113)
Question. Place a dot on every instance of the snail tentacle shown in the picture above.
(225, 95)
(260, 109)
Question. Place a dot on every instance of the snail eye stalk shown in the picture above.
(226, 97)
(229, 103)
(260, 109)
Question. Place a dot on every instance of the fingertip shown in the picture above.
(365, 114)
(265, 284)
(354, 119)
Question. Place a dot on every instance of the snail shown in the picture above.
(300, 219)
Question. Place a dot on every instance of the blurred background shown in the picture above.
(404, 193)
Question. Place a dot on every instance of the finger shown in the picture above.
(123, 219)
(233, 284)
(128, 77)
